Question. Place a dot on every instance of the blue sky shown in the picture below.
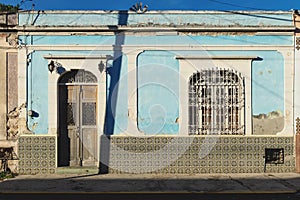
(158, 4)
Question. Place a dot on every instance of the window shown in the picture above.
(216, 103)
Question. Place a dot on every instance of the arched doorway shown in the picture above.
(77, 119)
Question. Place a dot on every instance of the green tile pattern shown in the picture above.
(170, 155)
(37, 154)
(193, 155)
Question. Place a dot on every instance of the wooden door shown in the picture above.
(82, 124)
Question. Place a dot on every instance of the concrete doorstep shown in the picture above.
(153, 183)
(77, 170)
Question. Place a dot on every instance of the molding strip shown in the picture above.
(77, 57)
(225, 57)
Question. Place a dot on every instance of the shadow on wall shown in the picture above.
(114, 73)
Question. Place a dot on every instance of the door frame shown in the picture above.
(77, 137)
(88, 63)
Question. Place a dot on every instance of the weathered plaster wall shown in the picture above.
(268, 124)
(268, 95)
(193, 40)
(37, 96)
(12, 95)
(151, 58)
(267, 77)
(8, 52)
(158, 92)
(154, 18)
(3, 99)
(297, 81)
(38, 90)
(8, 80)
(12, 80)
(267, 89)
(297, 69)
(267, 80)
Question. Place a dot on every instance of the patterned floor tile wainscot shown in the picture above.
(37, 154)
(188, 155)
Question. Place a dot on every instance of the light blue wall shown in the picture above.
(158, 86)
(37, 95)
(158, 92)
(267, 77)
(268, 83)
(157, 40)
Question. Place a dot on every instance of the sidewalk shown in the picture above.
(158, 183)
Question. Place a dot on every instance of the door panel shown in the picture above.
(88, 113)
(90, 146)
(74, 147)
(82, 125)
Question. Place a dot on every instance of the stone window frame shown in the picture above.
(191, 64)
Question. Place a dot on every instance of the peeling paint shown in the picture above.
(131, 115)
(268, 124)
(216, 33)
(155, 18)
(13, 122)
(34, 126)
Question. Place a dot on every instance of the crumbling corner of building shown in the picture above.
(13, 123)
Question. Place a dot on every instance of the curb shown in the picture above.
(161, 192)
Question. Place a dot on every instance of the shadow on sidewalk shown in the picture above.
(94, 183)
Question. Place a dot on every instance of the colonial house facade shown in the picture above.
(157, 92)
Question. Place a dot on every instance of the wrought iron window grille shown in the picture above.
(216, 102)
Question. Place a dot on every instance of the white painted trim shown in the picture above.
(154, 33)
(132, 93)
(289, 106)
(133, 50)
(77, 83)
(77, 63)
(22, 81)
(75, 57)
(180, 28)
(190, 66)
(53, 78)
(275, 33)
(157, 47)
(296, 84)
(225, 57)
(4, 47)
